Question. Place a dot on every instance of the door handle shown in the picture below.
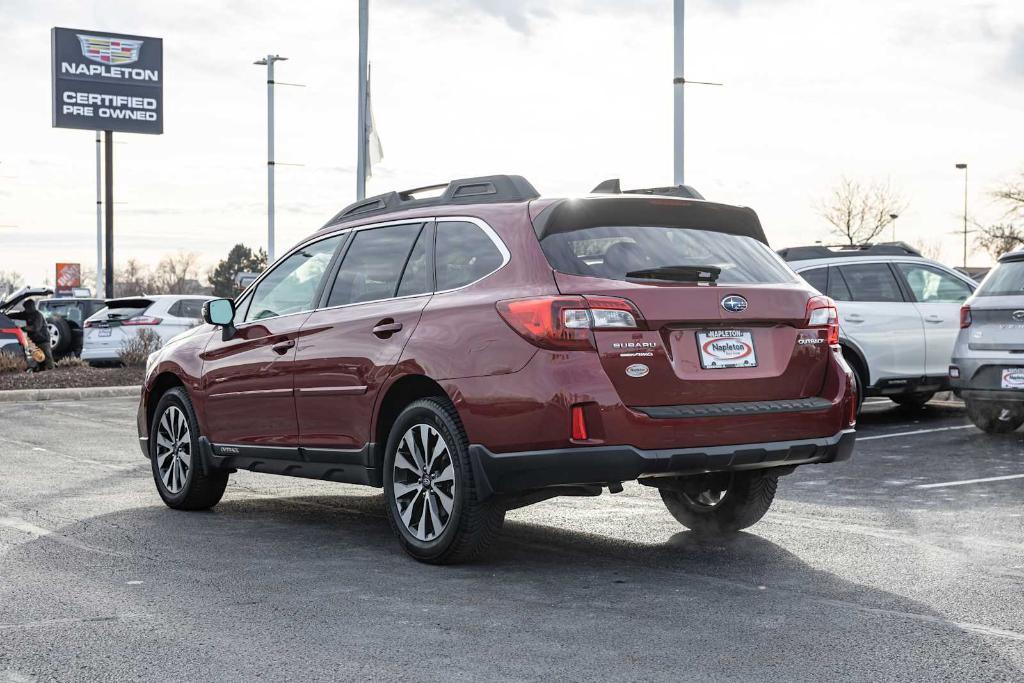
(933, 319)
(386, 327)
(853, 318)
(283, 347)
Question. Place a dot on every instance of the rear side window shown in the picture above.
(464, 254)
(613, 252)
(871, 282)
(373, 264)
(187, 308)
(931, 285)
(817, 278)
(1006, 279)
(417, 277)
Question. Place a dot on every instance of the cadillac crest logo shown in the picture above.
(109, 50)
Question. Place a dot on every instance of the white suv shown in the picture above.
(168, 315)
(899, 314)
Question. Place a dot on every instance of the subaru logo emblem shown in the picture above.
(1018, 315)
(734, 304)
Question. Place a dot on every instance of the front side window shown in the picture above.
(872, 282)
(931, 285)
(1006, 279)
(373, 264)
(464, 254)
(620, 252)
(187, 308)
(293, 284)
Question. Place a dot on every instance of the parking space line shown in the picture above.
(916, 431)
(963, 482)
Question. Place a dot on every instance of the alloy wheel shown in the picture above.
(173, 449)
(54, 335)
(424, 482)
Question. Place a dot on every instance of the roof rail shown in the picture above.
(613, 186)
(848, 250)
(490, 189)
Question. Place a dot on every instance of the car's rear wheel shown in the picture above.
(913, 401)
(995, 417)
(174, 453)
(432, 501)
(721, 503)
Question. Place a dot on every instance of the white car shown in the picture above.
(899, 314)
(168, 315)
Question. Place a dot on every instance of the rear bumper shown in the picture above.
(529, 470)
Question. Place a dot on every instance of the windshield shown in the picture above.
(1006, 279)
(614, 252)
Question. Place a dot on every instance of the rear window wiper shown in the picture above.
(696, 274)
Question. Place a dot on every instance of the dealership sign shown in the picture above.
(107, 81)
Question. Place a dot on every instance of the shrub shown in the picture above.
(71, 362)
(10, 362)
(135, 350)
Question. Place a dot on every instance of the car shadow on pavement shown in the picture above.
(290, 586)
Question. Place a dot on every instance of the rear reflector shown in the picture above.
(579, 424)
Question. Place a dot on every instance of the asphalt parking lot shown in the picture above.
(897, 565)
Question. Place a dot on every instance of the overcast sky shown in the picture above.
(564, 92)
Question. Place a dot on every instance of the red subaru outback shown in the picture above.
(486, 349)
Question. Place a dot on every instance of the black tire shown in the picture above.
(989, 416)
(61, 337)
(200, 490)
(747, 497)
(913, 401)
(471, 524)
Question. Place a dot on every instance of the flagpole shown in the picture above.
(678, 85)
(364, 11)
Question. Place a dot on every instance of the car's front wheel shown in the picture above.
(994, 417)
(174, 452)
(721, 503)
(432, 501)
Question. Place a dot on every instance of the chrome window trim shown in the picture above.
(506, 256)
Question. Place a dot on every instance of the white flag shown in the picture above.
(374, 151)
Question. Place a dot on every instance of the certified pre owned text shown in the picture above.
(109, 106)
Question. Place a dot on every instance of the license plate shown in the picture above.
(1013, 378)
(104, 331)
(726, 349)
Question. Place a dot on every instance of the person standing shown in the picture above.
(37, 330)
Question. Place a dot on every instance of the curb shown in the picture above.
(72, 394)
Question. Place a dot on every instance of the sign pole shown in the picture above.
(678, 84)
(99, 215)
(108, 153)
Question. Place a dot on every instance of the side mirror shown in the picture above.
(221, 312)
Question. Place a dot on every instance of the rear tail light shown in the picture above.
(965, 316)
(821, 312)
(564, 323)
(142, 320)
(18, 333)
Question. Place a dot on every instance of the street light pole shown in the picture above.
(361, 150)
(963, 167)
(893, 217)
(268, 62)
(678, 85)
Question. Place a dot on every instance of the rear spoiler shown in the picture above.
(568, 215)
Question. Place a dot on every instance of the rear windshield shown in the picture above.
(1006, 279)
(611, 252)
(119, 311)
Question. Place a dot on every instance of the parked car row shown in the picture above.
(96, 329)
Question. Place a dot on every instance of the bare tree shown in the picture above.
(177, 274)
(9, 281)
(1002, 237)
(133, 279)
(858, 212)
(930, 249)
